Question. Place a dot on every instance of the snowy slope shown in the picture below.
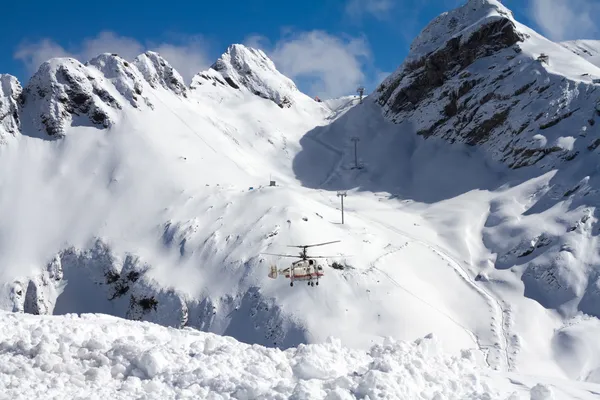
(588, 49)
(100, 357)
(487, 158)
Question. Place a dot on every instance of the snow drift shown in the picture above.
(102, 357)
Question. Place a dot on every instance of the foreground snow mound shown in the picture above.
(10, 90)
(243, 67)
(95, 356)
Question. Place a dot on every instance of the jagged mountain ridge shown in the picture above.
(64, 91)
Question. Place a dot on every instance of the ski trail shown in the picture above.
(470, 333)
(499, 351)
(498, 354)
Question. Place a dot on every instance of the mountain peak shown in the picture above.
(158, 72)
(461, 22)
(64, 88)
(244, 67)
(475, 75)
(126, 78)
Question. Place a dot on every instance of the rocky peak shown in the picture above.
(64, 92)
(244, 68)
(477, 76)
(124, 76)
(10, 91)
(159, 73)
(474, 18)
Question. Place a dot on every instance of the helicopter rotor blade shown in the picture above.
(281, 255)
(313, 245)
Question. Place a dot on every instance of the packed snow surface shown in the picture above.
(100, 357)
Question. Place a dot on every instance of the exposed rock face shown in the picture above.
(10, 124)
(124, 76)
(159, 73)
(244, 68)
(98, 280)
(472, 77)
(66, 93)
(64, 89)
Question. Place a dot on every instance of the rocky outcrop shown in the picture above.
(124, 76)
(471, 77)
(97, 279)
(10, 123)
(159, 73)
(244, 68)
(65, 92)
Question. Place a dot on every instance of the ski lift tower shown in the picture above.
(361, 92)
(342, 194)
(355, 139)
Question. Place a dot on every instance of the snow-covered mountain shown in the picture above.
(472, 215)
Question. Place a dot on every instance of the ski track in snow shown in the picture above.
(496, 307)
(499, 314)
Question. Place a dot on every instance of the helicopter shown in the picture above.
(305, 269)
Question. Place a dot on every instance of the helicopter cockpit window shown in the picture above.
(310, 262)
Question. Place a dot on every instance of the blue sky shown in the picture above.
(327, 46)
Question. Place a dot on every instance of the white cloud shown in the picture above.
(329, 65)
(257, 42)
(187, 53)
(34, 54)
(566, 19)
(109, 42)
(376, 8)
